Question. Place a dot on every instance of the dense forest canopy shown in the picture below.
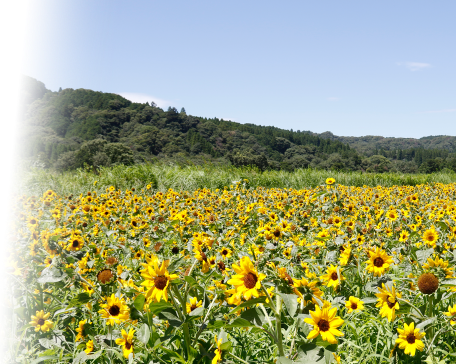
(72, 128)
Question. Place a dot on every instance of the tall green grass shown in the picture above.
(37, 181)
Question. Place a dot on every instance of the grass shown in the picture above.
(37, 181)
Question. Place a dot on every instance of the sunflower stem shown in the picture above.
(267, 316)
(279, 324)
(204, 320)
(180, 312)
(189, 273)
(236, 357)
(271, 305)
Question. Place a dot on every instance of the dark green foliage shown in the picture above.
(249, 158)
(377, 164)
(118, 153)
(200, 145)
(432, 165)
(369, 144)
(66, 162)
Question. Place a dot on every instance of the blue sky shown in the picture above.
(350, 67)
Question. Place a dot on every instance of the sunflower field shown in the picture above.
(240, 274)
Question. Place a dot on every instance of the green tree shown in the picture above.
(377, 164)
(119, 153)
(248, 158)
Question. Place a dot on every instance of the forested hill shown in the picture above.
(370, 144)
(72, 128)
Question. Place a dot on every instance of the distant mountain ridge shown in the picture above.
(369, 143)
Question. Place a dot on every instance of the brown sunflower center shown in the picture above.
(250, 280)
(193, 307)
(276, 233)
(114, 310)
(323, 325)
(204, 257)
(127, 345)
(40, 322)
(111, 260)
(160, 282)
(225, 252)
(354, 305)
(391, 304)
(134, 223)
(75, 243)
(288, 279)
(430, 237)
(221, 266)
(334, 276)
(378, 262)
(411, 339)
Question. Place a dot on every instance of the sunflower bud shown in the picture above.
(428, 283)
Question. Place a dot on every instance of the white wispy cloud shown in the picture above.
(438, 111)
(333, 98)
(143, 98)
(414, 66)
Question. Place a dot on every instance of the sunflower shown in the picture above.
(32, 222)
(430, 236)
(392, 215)
(378, 262)
(111, 260)
(202, 257)
(218, 352)
(403, 236)
(325, 323)
(337, 221)
(105, 276)
(306, 290)
(436, 263)
(354, 304)
(332, 276)
(410, 339)
(34, 248)
(88, 288)
(428, 283)
(80, 330)
(226, 253)
(330, 181)
(76, 243)
(13, 268)
(89, 347)
(193, 305)
(360, 239)
(115, 310)
(126, 342)
(451, 313)
(41, 322)
(157, 278)
(247, 281)
(345, 255)
(387, 300)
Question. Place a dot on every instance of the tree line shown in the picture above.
(72, 128)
